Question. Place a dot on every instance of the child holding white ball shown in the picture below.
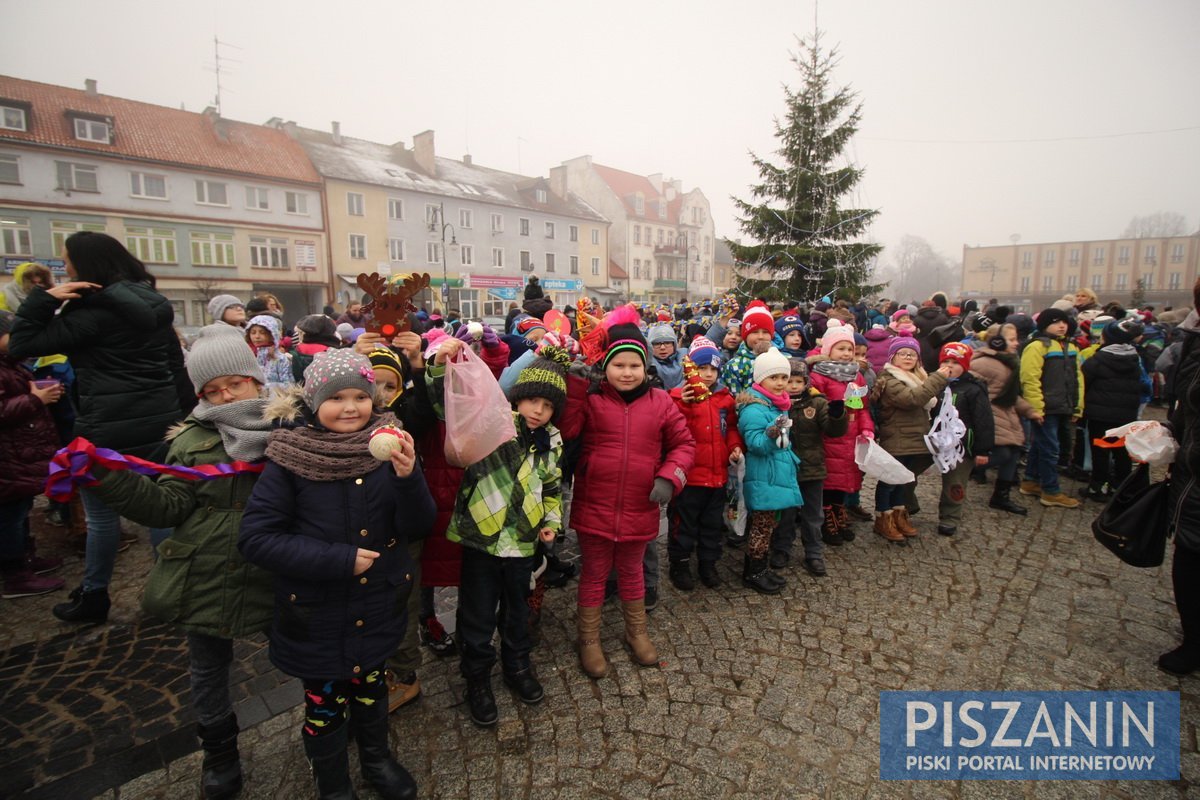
(331, 521)
(505, 504)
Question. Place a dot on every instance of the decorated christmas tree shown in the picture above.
(806, 245)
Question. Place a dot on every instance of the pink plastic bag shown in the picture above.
(478, 415)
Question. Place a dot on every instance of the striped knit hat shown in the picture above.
(545, 377)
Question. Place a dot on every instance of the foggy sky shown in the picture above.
(951, 92)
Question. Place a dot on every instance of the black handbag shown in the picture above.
(1133, 525)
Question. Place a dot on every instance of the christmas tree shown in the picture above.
(806, 244)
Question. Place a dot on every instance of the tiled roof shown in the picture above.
(626, 184)
(384, 165)
(615, 270)
(722, 254)
(156, 133)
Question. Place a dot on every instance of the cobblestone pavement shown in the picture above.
(778, 696)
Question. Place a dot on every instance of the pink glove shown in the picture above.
(565, 341)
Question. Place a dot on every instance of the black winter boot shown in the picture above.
(379, 766)
(708, 574)
(681, 574)
(221, 772)
(1001, 500)
(91, 607)
(480, 701)
(526, 685)
(756, 576)
(330, 763)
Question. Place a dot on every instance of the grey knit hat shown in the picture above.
(220, 304)
(220, 350)
(334, 370)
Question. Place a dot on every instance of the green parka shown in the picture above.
(200, 581)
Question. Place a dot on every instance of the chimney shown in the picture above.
(424, 153)
(558, 182)
(656, 181)
(337, 132)
(89, 87)
(467, 159)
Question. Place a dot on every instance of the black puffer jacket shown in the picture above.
(1185, 424)
(975, 410)
(130, 382)
(926, 319)
(27, 435)
(1112, 384)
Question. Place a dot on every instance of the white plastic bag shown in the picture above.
(1148, 441)
(875, 462)
(478, 415)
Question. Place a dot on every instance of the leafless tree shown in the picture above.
(1156, 225)
(207, 287)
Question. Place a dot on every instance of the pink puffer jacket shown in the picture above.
(842, 473)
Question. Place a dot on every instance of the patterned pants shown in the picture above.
(762, 525)
(327, 703)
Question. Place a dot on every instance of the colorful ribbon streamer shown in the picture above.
(71, 468)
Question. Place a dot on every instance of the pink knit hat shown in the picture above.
(836, 331)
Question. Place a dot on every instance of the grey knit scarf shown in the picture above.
(321, 455)
(242, 426)
(843, 371)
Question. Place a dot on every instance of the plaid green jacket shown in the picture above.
(505, 499)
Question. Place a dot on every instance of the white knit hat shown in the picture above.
(771, 363)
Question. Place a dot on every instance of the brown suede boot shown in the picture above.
(636, 635)
(901, 522)
(591, 656)
(885, 526)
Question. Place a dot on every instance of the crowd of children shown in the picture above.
(750, 425)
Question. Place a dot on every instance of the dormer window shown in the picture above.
(88, 129)
(13, 118)
(662, 209)
(541, 195)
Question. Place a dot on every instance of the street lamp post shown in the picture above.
(433, 228)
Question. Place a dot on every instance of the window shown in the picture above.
(1148, 281)
(1122, 282)
(493, 308)
(497, 257)
(662, 208)
(1027, 259)
(524, 226)
(59, 231)
(358, 245)
(1025, 284)
(13, 119)
(574, 265)
(595, 265)
(431, 214)
(526, 262)
(10, 169)
(295, 203)
(659, 240)
(466, 218)
(1074, 257)
(268, 253)
(549, 262)
(637, 268)
(149, 185)
(1097, 283)
(595, 236)
(573, 233)
(74, 177)
(637, 234)
(1151, 254)
(15, 238)
(1098, 257)
(355, 204)
(1176, 253)
(639, 205)
(211, 193)
(1072, 283)
(497, 223)
(541, 195)
(92, 130)
(395, 209)
(707, 244)
(1173, 284)
(213, 249)
(706, 280)
(549, 230)
(396, 249)
(1049, 258)
(1123, 255)
(257, 198)
(152, 245)
(433, 252)
(467, 254)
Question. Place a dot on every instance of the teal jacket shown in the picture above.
(770, 483)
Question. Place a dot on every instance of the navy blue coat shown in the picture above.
(330, 623)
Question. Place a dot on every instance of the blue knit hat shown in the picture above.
(704, 352)
(785, 325)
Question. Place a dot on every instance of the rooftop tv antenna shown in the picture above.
(219, 67)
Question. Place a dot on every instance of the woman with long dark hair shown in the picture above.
(130, 383)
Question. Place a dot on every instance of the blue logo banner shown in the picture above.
(1029, 735)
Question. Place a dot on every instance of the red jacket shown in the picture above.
(441, 559)
(714, 426)
(28, 438)
(842, 473)
(625, 447)
(496, 358)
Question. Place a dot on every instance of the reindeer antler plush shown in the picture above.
(390, 303)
